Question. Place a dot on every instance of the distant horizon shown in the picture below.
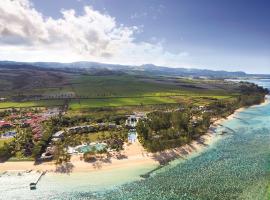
(103, 63)
(222, 35)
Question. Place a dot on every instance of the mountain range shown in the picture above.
(149, 69)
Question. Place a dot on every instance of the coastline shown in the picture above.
(133, 155)
(266, 101)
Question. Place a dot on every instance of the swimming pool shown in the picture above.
(91, 147)
(132, 136)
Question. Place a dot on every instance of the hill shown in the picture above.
(143, 69)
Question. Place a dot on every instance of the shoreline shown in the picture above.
(133, 155)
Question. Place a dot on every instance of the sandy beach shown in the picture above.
(132, 155)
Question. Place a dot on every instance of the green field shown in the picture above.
(133, 101)
(109, 86)
(127, 85)
(113, 102)
(42, 103)
(92, 91)
(131, 90)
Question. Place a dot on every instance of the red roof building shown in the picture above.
(4, 124)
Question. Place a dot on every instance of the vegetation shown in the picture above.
(31, 104)
(61, 155)
(6, 151)
(40, 87)
(40, 146)
(24, 146)
(163, 130)
(21, 146)
(115, 141)
(173, 103)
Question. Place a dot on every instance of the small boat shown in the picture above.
(33, 186)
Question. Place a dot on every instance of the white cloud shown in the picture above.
(26, 35)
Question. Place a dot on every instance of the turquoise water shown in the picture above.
(236, 166)
(67, 186)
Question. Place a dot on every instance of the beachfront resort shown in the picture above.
(44, 135)
(57, 133)
(86, 137)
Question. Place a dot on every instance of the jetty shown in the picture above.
(5, 172)
(148, 174)
(228, 128)
(33, 185)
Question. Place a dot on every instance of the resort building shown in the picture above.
(112, 125)
(198, 108)
(9, 134)
(81, 129)
(85, 129)
(4, 124)
(132, 120)
(58, 135)
(48, 154)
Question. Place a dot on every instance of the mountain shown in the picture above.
(190, 71)
(143, 69)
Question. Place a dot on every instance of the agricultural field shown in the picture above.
(27, 104)
(81, 90)
(115, 102)
(129, 85)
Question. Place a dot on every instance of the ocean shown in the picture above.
(236, 166)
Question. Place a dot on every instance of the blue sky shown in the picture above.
(215, 34)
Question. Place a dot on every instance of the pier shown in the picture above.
(33, 185)
(148, 174)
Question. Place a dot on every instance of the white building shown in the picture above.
(2, 99)
(132, 120)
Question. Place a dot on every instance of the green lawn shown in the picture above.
(94, 136)
(123, 85)
(113, 102)
(146, 99)
(128, 90)
(16, 104)
(116, 101)
(43, 103)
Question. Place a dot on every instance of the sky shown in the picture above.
(230, 35)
